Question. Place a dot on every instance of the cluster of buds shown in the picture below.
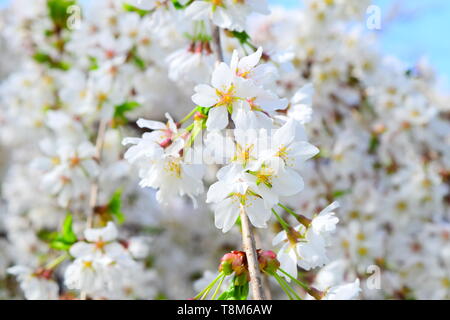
(44, 273)
(236, 262)
(200, 47)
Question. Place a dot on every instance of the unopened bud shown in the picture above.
(293, 235)
(167, 142)
(379, 129)
(304, 220)
(44, 273)
(226, 263)
(233, 262)
(268, 261)
(317, 294)
(199, 116)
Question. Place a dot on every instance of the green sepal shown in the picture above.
(58, 12)
(238, 289)
(119, 117)
(44, 58)
(130, 8)
(242, 36)
(115, 206)
(64, 239)
(177, 5)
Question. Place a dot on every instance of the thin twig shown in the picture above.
(95, 185)
(217, 44)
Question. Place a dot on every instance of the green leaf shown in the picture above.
(120, 111)
(44, 58)
(115, 206)
(138, 62)
(67, 230)
(242, 36)
(93, 63)
(373, 144)
(46, 235)
(58, 12)
(340, 193)
(64, 239)
(238, 289)
(177, 5)
(130, 8)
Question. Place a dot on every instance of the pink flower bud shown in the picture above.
(268, 261)
(166, 143)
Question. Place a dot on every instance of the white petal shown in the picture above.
(226, 214)
(257, 212)
(108, 233)
(217, 192)
(205, 96)
(150, 124)
(222, 77)
(217, 118)
(247, 63)
(82, 249)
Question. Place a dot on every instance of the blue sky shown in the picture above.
(421, 29)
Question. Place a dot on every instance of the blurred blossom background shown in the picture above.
(411, 30)
(378, 111)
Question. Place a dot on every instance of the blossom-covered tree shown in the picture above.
(132, 133)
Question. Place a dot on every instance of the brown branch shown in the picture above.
(248, 242)
(217, 44)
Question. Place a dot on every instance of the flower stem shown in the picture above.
(188, 116)
(301, 284)
(288, 210)
(283, 223)
(218, 287)
(53, 264)
(283, 287)
(288, 287)
(208, 288)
